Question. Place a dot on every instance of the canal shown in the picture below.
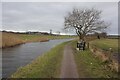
(18, 56)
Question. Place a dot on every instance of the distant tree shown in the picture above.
(85, 21)
(104, 34)
(97, 35)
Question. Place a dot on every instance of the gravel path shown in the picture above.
(68, 69)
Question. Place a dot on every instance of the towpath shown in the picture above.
(69, 68)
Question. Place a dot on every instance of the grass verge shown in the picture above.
(46, 66)
(89, 66)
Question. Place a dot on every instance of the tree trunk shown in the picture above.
(81, 37)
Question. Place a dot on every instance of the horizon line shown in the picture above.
(47, 32)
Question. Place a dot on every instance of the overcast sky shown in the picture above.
(43, 16)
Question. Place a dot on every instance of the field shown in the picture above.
(33, 37)
(106, 44)
(11, 39)
(45, 66)
(90, 66)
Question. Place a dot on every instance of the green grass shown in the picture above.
(28, 37)
(35, 36)
(45, 66)
(89, 66)
(106, 44)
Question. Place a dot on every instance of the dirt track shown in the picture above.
(68, 69)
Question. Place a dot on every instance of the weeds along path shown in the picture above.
(68, 69)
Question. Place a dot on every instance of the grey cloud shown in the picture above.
(45, 16)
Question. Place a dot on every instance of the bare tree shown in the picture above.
(85, 21)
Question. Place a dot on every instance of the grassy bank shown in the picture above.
(11, 39)
(46, 66)
(106, 44)
(90, 66)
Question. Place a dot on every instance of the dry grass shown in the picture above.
(9, 39)
(12, 39)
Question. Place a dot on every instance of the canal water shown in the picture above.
(18, 56)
